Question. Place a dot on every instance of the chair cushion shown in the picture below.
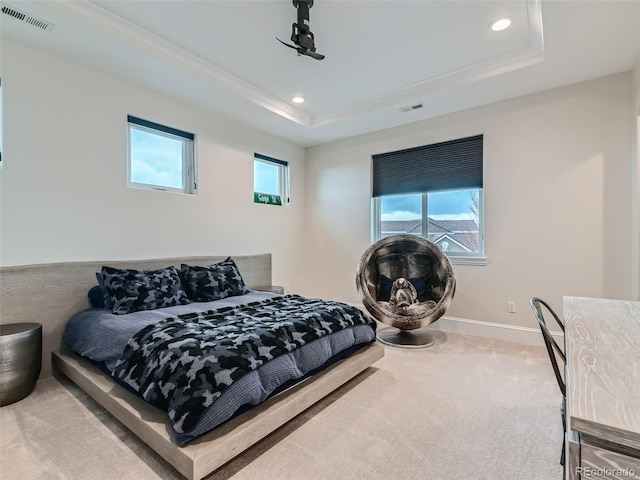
(385, 285)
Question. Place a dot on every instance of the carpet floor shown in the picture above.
(466, 408)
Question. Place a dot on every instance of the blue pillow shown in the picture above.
(96, 297)
(106, 298)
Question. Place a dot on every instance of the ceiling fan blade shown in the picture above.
(315, 55)
(303, 51)
(286, 44)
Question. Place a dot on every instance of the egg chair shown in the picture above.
(407, 282)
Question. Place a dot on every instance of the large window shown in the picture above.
(270, 180)
(435, 192)
(160, 157)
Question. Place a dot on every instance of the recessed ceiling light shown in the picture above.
(297, 99)
(500, 24)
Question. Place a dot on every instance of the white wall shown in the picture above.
(635, 79)
(636, 180)
(557, 200)
(557, 194)
(63, 186)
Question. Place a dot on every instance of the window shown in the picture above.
(160, 157)
(270, 180)
(435, 192)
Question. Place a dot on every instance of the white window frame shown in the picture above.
(189, 182)
(459, 258)
(283, 176)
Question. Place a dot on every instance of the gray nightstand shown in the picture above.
(20, 360)
(272, 289)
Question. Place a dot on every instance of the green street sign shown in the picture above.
(267, 198)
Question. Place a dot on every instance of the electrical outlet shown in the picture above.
(511, 306)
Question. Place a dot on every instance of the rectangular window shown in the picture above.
(435, 192)
(270, 180)
(160, 157)
(451, 219)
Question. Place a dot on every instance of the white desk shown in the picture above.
(602, 340)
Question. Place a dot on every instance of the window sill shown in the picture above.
(155, 188)
(468, 260)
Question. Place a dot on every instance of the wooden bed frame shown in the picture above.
(50, 294)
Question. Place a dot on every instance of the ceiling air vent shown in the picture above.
(410, 108)
(26, 18)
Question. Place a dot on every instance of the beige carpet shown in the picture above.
(466, 408)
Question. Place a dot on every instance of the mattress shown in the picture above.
(113, 342)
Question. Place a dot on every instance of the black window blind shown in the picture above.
(270, 159)
(450, 165)
(161, 128)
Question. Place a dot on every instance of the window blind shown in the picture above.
(270, 159)
(161, 128)
(450, 165)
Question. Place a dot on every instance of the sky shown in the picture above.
(265, 178)
(155, 160)
(442, 205)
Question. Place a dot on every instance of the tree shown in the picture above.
(474, 206)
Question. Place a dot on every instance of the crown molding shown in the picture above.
(121, 30)
(479, 71)
(521, 58)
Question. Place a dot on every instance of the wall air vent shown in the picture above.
(410, 108)
(26, 18)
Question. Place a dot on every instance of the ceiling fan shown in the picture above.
(301, 35)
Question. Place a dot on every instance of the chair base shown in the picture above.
(405, 338)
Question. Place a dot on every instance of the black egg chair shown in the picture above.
(423, 263)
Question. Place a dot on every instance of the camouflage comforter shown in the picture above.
(182, 364)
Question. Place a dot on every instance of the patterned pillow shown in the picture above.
(135, 290)
(217, 281)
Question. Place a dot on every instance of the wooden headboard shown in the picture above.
(52, 293)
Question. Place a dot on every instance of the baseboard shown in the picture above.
(496, 331)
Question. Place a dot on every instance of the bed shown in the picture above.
(208, 451)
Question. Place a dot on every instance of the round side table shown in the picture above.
(20, 360)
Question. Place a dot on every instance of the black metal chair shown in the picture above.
(555, 352)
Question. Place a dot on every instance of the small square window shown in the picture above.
(160, 157)
(270, 180)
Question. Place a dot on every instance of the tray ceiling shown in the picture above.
(380, 55)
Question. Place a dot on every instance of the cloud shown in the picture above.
(143, 172)
(155, 159)
(400, 215)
